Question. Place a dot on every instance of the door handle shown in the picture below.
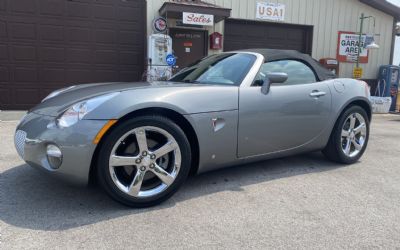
(317, 93)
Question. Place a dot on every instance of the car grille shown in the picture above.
(19, 141)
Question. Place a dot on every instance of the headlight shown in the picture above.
(79, 110)
(56, 93)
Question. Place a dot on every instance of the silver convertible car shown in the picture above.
(140, 141)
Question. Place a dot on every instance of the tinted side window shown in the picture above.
(224, 69)
(298, 72)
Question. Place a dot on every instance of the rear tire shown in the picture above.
(349, 137)
(143, 161)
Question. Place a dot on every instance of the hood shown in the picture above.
(55, 105)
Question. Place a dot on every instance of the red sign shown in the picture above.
(160, 25)
(348, 46)
(216, 41)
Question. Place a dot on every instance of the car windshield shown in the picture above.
(224, 69)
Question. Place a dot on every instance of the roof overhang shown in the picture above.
(385, 7)
(175, 9)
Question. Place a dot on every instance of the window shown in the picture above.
(298, 72)
(224, 69)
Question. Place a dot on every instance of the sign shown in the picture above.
(197, 19)
(331, 62)
(357, 73)
(348, 45)
(171, 60)
(216, 41)
(160, 25)
(270, 11)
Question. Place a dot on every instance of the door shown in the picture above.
(245, 34)
(292, 114)
(188, 45)
(48, 45)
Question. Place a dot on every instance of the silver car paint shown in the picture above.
(76, 144)
(286, 118)
(182, 99)
(238, 110)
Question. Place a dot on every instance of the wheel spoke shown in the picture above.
(136, 184)
(348, 146)
(357, 145)
(141, 140)
(164, 176)
(352, 122)
(345, 133)
(360, 129)
(170, 146)
(116, 161)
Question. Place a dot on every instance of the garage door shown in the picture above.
(49, 44)
(240, 34)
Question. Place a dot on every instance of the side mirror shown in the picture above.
(278, 77)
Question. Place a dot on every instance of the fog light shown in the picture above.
(54, 156)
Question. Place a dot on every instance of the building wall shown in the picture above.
(396, 58)
(327, 16)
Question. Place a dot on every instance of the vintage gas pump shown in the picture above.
(159, 48)
(330, 63)
(388, 79)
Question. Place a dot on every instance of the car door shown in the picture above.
(292, 114)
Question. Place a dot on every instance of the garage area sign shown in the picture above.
(348, 45)
(270, 11)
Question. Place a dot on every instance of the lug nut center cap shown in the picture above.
(146, 161)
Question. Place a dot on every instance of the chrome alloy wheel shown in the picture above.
(354, 133)
(145, 161)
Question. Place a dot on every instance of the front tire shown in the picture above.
(143, 161)
(350, 136)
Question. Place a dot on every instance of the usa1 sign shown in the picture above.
(197, 19)
(348, 45)
(270, 11)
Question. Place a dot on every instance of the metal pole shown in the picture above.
(359, 40)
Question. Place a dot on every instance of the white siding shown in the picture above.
(326, 16)
(396, 58)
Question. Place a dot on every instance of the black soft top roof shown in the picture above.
(277, 54)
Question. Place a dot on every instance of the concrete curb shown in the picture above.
(12, 115)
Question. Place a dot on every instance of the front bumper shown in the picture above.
(36, 131)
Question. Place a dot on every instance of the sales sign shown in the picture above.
(270, 11)
(348, 46)
(197, 19)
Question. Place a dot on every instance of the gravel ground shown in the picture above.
(298, 202)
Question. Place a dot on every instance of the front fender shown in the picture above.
(184, 100)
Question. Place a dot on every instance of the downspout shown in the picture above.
(393, 40)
